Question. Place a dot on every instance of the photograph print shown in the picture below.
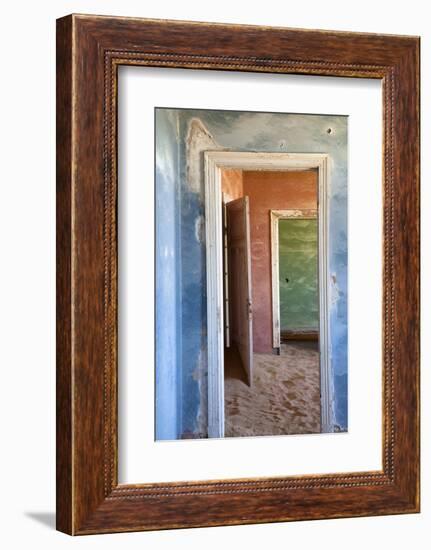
(251, 273)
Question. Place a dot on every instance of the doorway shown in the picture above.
(239, 327)
(295, 275)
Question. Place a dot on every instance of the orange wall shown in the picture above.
(270, 191)
(231, 184)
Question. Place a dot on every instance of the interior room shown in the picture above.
(290, 172)
(271, 313)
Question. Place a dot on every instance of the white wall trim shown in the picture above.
(215, 161)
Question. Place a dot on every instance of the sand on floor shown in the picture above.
(284, 397)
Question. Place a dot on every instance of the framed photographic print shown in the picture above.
(237, 274)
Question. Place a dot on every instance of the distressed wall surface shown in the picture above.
(271, 191)
(232, 184)
(182, 136)
(298, 274)
(167, 258)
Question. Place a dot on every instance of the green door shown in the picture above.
(298, 275)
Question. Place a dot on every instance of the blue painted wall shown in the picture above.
(182, 136)
(168, 263)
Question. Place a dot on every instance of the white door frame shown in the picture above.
(215, 162)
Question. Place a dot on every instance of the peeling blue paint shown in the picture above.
(180, 202)
(167, 263)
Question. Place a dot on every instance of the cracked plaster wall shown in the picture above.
(182, 136)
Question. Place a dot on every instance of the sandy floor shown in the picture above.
(284, 398)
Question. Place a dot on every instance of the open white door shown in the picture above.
(238, 242)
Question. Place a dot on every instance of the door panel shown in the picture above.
(238, 241)
(226, 283)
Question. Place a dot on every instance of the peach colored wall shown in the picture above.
(231, 184)
(271, 191)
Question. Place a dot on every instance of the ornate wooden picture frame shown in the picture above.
(89, 51)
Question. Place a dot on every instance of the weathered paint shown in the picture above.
(184, 360)
(298, 274)
(198, 140)
(167, 259)
(271, 191)
(232, 184)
